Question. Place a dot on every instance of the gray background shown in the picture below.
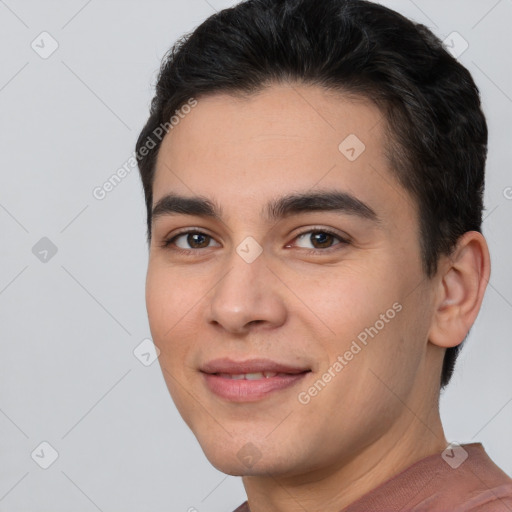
(70, 323)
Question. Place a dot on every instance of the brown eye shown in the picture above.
(319, 239)
(190, 240)
(198, 240)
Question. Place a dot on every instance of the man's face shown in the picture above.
(328, 294)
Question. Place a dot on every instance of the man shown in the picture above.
(313, 173)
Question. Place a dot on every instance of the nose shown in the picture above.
(247, 295)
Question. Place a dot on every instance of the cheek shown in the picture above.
(170, 308)
(159, 298)
(170, 313)
(366, 321)
(346, 300)
(167, 298)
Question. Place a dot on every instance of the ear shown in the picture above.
(463, 277)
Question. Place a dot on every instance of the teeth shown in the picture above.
(248, 376)
(253, 376)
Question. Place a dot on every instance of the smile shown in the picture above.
(249, 381)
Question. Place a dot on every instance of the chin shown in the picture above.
(238, 469)
(227, 462)
(247, 460)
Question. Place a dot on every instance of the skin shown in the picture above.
(380, 413)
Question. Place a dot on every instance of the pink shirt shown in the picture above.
(440, 484)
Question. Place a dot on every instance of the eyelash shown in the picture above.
(166, 244)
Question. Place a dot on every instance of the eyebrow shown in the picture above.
(338, 201)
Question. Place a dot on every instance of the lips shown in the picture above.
(250, 380)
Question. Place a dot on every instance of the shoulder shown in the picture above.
(244, 507)
(497, 499)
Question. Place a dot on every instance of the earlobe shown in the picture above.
(465, 274)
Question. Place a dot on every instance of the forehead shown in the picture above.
(241, 151)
